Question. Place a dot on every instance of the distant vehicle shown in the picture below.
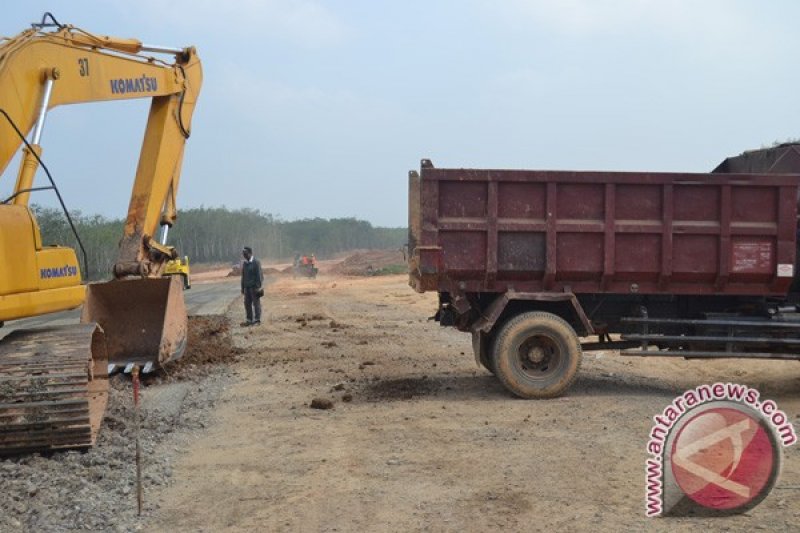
(176, 267)
(305, 266)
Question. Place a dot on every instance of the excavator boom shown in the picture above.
(40, 71)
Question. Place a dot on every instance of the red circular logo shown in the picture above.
(725, 458)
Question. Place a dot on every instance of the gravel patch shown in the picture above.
(95, 490)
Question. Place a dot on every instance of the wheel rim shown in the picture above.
(539, 357)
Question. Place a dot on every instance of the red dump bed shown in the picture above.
(591, 232)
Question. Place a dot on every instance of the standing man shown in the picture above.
(252, 278)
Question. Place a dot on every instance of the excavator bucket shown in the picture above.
(144, 320)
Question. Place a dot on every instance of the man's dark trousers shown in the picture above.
(252, 303)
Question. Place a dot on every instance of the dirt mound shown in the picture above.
(209, 343)
(321, 403)
(372, 263)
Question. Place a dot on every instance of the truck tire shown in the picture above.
(537, 355)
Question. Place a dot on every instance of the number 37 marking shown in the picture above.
(83, 65)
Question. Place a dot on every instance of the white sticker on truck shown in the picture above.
(785, 270)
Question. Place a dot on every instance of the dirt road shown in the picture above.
(421, 439)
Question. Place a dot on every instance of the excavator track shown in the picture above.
(53, 388)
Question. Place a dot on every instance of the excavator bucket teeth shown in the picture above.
(53, 388)
(144, 320)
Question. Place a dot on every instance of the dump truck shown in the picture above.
(541, 266)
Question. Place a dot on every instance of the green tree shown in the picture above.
(217, 234)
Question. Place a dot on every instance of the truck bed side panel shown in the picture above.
(593, 232)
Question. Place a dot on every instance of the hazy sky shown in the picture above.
(313, 108)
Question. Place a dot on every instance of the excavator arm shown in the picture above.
(42, 70)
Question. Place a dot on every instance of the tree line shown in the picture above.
(217, 234)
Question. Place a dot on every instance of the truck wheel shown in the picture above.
(537, 355)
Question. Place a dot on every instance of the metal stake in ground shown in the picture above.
(139, 493)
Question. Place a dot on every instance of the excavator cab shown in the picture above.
(36, 279)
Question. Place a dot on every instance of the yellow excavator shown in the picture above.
(54, 380)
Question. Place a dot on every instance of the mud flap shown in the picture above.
(144, 319)
(479, 346)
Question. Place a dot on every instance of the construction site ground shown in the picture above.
(418, 437)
